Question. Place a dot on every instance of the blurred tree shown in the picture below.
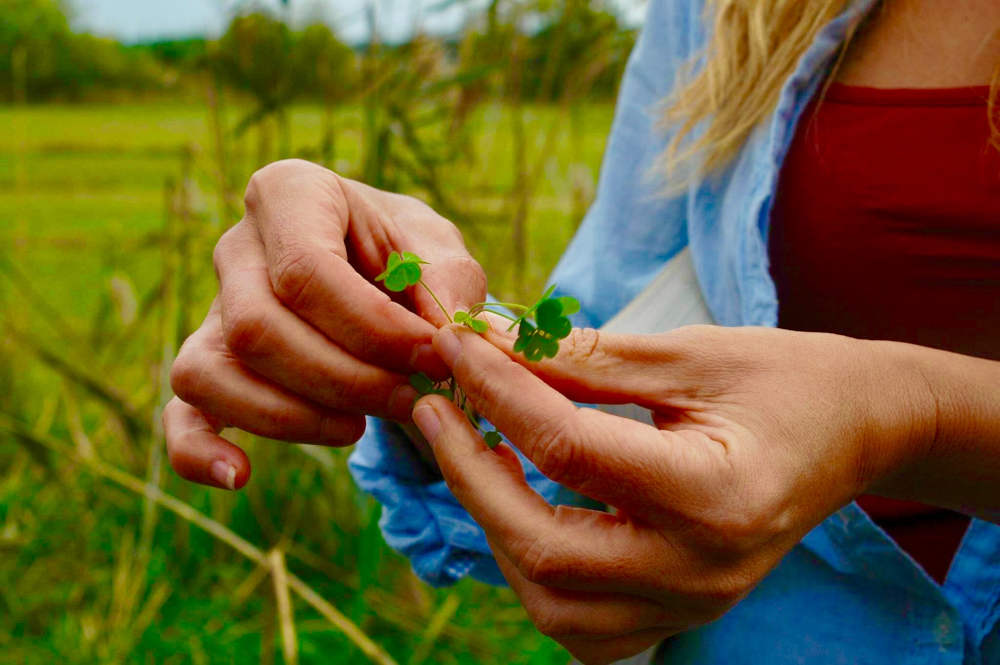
(255, 55)
(580, 39)
(324, 68)
(41, 58)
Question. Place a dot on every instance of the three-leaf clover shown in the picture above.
(540, 327)
(401, 271)
(541, 339)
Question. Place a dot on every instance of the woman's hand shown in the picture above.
(759, 435)
(299, 343)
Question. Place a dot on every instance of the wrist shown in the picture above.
(901, 424)
(953, 458)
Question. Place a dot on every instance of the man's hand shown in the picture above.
(300, 344)
(759, 435)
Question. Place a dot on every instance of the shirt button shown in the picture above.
(946, 630)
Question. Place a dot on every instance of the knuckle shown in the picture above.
(548, 621)
(469, 272)
(556, 452)
(450, 229)
(556, 624)
(724, 591)
(283, 421)
(243, 333)
(581, 345)
(185, 377)
(266, 177)
(345, 390)
(223, 250)
(739, 530)
(540, 565)
(293, 274)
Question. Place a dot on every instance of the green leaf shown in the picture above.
(461, 317)
(390, 265)
(551, 320)
(396, 281)
(561, 328)
(570, 305)
(422, 383)
(478, 325)
(401, 271)
(549, 347)
(492, 439)
(548, 313)
(520, 344)
(411, 273)
(413, 258)
(533, 352)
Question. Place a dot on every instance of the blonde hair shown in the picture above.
(754, 47)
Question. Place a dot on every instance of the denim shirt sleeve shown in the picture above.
(629, 232)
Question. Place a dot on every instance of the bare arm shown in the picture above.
(959, 465)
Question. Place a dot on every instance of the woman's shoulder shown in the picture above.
(673, 33)
(683, 21)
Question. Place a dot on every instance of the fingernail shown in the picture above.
(420, 353)
(224, 474)
(448, 345)
(427, 420)
(401, 402)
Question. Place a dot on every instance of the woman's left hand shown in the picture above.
(759, 435)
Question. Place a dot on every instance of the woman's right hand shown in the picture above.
(299, 343)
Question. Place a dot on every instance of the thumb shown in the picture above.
(607, 368)
(457, 280)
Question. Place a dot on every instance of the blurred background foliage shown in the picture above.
(120, 165)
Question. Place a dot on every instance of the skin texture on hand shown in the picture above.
(760, 434)
(300, 344)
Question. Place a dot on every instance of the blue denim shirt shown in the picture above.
(846, 594)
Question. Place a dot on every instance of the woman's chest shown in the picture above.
(886, 221)
(924, 44)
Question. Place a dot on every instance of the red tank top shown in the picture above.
(886, 225)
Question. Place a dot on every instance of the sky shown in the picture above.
(145, 20)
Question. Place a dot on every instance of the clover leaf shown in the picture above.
(401, 271)
(424, 385)
(492, 439)
(535, 343)
(467, 319)
(549, 317)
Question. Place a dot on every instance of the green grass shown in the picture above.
(95, 283)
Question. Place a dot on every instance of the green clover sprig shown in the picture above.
(401, 271)
(539, 328)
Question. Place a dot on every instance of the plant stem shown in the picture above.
(428, 289)
(503, 314)
(483, 305)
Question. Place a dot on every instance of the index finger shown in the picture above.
(302, 216)
(619, 461)
(561, 546)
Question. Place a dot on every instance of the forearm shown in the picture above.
(953, 458)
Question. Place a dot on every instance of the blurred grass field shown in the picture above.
(108, 216)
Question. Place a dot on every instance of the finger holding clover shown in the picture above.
(738, 467)
(301, 342)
